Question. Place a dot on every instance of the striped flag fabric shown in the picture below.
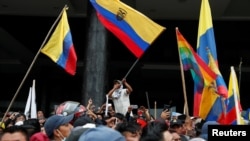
(201, 73)
(60, 47)
(136, 31)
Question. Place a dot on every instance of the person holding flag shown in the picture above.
(120, 95)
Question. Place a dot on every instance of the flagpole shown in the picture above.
(131, 68)
(32, 63)
(185, 109)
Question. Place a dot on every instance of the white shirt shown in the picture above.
(122, 102)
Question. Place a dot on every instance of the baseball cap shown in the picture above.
(54, 121)
(78, 131)
(102, 133)
(204, 129)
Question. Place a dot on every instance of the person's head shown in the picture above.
(14, 133)
(176, 136)
(39, 136)
(117, 82)
(101, 133)
(19, 119)
(120, 118)
(82, 120)
(156, 130)
(130, 130)
(58, 127)
(111, 110)
(32, 125)
(204, 129)
(177, 125)
(40, 114)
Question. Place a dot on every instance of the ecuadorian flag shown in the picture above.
(133, 28)
(60, 46)
(206, 33)
(201, 73)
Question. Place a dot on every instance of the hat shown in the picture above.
(176, 122)
(76, 133)
(102, 133)
(54, 121)
(204, 129)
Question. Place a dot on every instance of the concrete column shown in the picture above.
(95, 63)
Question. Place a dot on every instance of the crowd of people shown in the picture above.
(120, 121)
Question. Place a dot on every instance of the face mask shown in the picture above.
(64, 139)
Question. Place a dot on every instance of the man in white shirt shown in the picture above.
(120, 96)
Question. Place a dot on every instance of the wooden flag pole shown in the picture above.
(31, 65)
(183, 85)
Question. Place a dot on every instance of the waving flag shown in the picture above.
(234, 107)
(60, 47)
(206, 33)
(213, 106)
(206, 41)
(133, 28)
(201, 73)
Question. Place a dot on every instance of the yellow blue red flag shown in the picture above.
(201, 73)
(60, 47)
(134, 29)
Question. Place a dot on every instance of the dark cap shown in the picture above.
(54, 121)
(176, 123)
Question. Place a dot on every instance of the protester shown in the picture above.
(39, 136)
(41, 117)
(101, 133)
(58, 127)
(15, 133)
(120, 95)
(130, 130)
(156, 131)
(204, 129)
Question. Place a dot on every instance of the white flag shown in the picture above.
(27, 107)
(30, 108)
(33, 101)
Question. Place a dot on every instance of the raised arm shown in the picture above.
(116, 86)
(129, 88)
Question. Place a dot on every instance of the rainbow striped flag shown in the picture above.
(133, 28)
(201, 73)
